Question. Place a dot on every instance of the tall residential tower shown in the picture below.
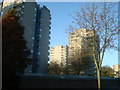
(36, 22)
(81, 41)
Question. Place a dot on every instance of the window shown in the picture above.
(33, 32)
(21, 18)
(40, 29)
(23, 6)
(1, 12)
(37, 46)
(35, 15)
(18, 15)
(34, 20)
(50, 18)
(30, 56)
(38, 41)
(22, 12)
(38, 53)
(33, 38)
(35, 9)
(39, 35)
(30, 71)
(49, 27)
(49, 32)
(31, 51)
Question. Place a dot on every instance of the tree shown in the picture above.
(65, 70)
(80, 61)
(107, 71)
(54, 68)
(102, 19)
(14, 50)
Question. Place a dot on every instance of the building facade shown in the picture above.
(81, 42)
(59, 54)
(116, 69)
(36, 22)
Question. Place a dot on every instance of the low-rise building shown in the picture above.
(116, 70)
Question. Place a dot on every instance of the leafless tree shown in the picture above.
(54, 68)
(102, 19)
(80, 62)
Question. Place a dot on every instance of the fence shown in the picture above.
(66, 81)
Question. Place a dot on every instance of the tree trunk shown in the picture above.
(98, 75)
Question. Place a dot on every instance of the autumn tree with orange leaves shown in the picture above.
(14, 50)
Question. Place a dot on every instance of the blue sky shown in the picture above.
(60, 22)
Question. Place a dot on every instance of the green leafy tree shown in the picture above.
(107, 71)
(14, 49)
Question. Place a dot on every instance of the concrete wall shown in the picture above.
(65, 82)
